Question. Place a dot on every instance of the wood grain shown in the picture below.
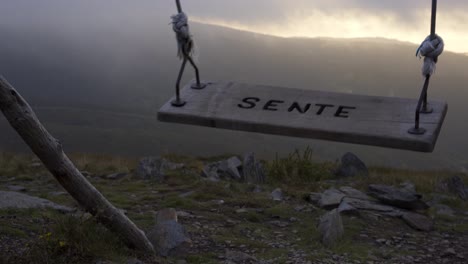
(378, 121)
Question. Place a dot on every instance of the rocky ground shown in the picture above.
(238, 210)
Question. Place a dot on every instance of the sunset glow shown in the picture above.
(359, 24)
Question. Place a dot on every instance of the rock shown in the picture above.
(116, 176)
(239, 257)
(353, 193)
(456, 186)
(408, 186)
(402, 198)
(230, 168)
(331, 228)
(330, 199)
(314, 198)
(449, 252)
(252, 170)
(418, 221)
(369, 205)
(151, 168)
(16, 188)
(277, 195)
(241, 211)
(168, 236)
(346, 208)
(24, 201)
(210, 171)
(351, 166)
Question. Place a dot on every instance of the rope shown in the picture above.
(184, 39)
(430, 50)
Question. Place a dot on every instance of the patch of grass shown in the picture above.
(206, 258)
(298, 168)
(280, 211)
(103, 164)
(76, 240)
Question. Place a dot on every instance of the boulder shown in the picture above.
(24, 201)
(168, 236)
(402, 198)
(346, 208)
(369, 205)
(152, 168)
(331, 228)
(418, 221)
(353, 193)
(252, 170)
(314, 198)
(351, 166)
(455, 186)
(277, 195)
(230, 168)
(330, 199)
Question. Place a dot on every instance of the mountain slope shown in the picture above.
(99, 89)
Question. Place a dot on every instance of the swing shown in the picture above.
(359, 119)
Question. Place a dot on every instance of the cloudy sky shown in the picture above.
(406, 20)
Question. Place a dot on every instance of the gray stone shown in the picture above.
(116, 176)
(331, 228)
(369, 205)
(24, 201)
(16, 188)
(252, 170)
(418, 221)
(168, 236)
(408, 186)
(277, 195)
(151, 168)
(330, 199)
(453, 185)
(314, 198)
(354, 193)
(230, 168)
(210, 171)
(346, 208)
(402, 198)
(352, 166)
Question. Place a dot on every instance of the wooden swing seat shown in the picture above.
(342, 117)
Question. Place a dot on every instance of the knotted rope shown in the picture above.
(430, 49)
(184, 39)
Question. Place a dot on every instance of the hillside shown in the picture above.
(230, 221)
(99, 90)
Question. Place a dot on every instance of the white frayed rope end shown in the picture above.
(430, 49)
(184, 39)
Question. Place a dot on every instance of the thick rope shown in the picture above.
(184, 39)
(430, 50)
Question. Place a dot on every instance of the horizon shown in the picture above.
(406, 21)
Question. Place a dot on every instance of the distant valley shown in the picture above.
(99, 90)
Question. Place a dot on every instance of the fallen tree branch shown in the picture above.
(49, 150)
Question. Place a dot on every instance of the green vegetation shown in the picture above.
(50, 237)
